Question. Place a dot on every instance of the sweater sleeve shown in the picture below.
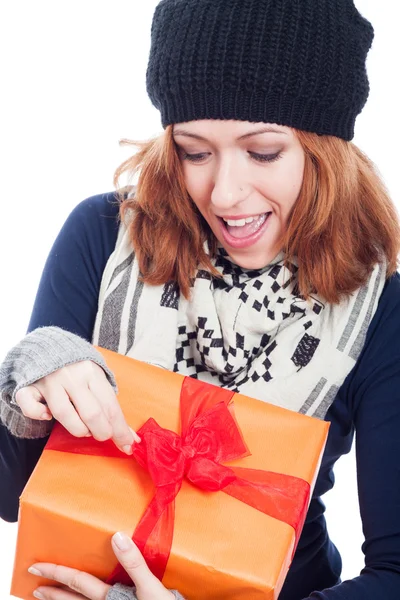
(375, 396)
(67, 298)
(122, 592)
(69, 287)
(41, 352)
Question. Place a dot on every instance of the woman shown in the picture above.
(268, 249)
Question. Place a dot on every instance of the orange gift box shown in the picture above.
(223, 546)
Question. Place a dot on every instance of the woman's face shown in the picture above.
(244, 178)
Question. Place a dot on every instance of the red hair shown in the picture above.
(341, 225)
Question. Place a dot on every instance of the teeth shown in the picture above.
(241, 222)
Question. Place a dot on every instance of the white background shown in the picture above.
(73, 84)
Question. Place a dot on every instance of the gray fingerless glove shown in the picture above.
(122, 592)
(38, 354)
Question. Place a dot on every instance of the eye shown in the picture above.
(263, 158)
(194, 157)
(266, 158)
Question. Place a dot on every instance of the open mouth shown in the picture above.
(241, 233)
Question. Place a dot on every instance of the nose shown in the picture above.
(229, 187)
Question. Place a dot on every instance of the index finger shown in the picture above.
(123, 436)
(78, 581)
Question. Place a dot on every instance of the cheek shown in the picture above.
(197, 188)
(286, 182)
(297, 170)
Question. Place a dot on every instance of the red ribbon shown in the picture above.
(209, 437)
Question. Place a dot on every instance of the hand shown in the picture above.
(82, 586)
(81, 398)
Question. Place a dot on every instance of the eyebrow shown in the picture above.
(185, 133)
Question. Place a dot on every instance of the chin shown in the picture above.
(256, 262)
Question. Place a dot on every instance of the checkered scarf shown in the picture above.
(250, 332)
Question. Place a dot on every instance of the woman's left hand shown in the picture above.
(82, 586)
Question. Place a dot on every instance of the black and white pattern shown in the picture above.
(170, 297)
(248, 330)
(244, 356)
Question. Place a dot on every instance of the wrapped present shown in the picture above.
(215, 495)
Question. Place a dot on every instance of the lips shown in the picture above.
(247, 234)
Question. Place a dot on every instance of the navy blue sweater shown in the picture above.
(368, 403)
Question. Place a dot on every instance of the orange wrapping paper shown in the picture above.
(222, 548)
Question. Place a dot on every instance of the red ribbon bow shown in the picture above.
(209, 437)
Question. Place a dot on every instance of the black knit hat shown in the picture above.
(299, 63)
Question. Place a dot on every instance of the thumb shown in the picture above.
(148, 587)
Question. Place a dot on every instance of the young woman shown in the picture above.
(258, 252)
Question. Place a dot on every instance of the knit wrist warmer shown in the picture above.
(122, 592)
(39, 354)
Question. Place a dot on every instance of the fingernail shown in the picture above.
(35, 571)
(46, 417)
(122, 541)
(135, 435)
(38, 595)
(127, 450)
(88, 435)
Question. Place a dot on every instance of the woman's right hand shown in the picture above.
(81, 398)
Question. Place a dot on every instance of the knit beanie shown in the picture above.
(299, 63)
